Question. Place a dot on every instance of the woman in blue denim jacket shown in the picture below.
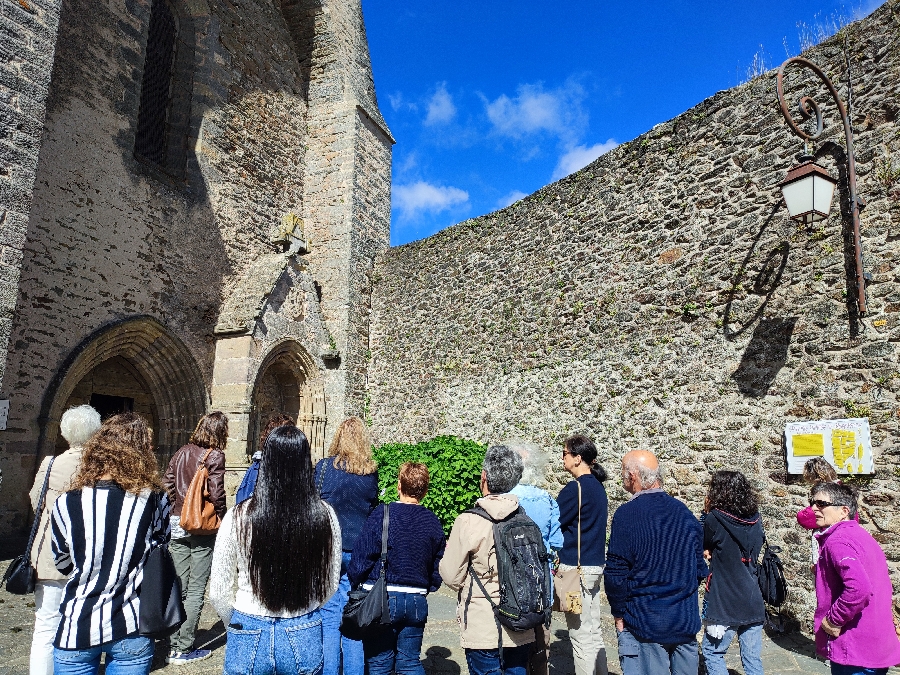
(542, 508)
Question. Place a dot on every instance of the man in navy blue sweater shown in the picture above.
(654, 566)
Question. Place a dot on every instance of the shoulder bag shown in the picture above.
(198, 514)
(161, 611)
(567, 583)
(367, 610)
(20, 576)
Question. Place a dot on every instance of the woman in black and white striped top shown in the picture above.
(103, 530)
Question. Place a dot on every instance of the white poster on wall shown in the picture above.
(845, 444)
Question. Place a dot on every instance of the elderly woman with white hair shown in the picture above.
(77, 425)
(542, 508)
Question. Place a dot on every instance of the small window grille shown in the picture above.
(156, 88)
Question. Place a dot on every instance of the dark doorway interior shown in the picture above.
(108, 406)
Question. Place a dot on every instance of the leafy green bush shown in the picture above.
(454, 465)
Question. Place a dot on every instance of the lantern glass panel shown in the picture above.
(798, 196)
(823, 193)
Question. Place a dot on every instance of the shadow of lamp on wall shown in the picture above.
(764, 356)
(808, 189)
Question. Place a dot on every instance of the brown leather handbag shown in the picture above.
(567, 583)
(198, 514)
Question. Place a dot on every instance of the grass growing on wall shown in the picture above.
(454, 465)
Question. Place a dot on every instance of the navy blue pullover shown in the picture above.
(350, 495)
(594, 513)
(654, 567)
(416, 544)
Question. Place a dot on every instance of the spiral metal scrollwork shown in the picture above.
(808, 108)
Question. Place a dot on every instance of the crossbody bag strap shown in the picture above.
(40, 508)
(385, 525)
(579, 526)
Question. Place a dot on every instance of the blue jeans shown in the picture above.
(750, 638)
(838, 669)
(398, 647)
(487, 661)
(128, 656)
(336, 644)
(264, 645)
(638, 657)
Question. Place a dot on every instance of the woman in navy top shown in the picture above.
(580, 460)
(348, 480)
(416, 544)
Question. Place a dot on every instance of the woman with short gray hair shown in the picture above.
(77, 425)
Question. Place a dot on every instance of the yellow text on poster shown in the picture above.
(809, 445)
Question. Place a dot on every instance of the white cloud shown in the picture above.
(440, 108)
(510, 198)
(579, 157)
(533, 110)
(420, 196)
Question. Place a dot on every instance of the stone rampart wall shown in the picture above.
(660, 298)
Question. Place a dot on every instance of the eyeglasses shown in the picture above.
(820, 503)
(566, 452)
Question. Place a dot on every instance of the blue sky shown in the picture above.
(491, 100)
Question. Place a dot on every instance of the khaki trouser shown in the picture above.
(193, 561)
(588, 649)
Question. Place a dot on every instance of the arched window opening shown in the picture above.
(152, 138)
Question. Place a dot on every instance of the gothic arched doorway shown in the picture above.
(134, 365)
(288, 382)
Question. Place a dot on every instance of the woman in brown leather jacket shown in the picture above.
(193, 553)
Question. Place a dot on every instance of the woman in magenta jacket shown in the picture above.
(854, 619)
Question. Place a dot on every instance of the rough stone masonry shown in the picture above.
(226, 268)
(660, 298)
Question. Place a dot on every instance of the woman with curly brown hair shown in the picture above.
(733, 536)
(348, 481)
(103, 529)
(193, 551)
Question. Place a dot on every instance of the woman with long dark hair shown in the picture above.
(285, 544)
(733, 536)
(583, 511)
(103, 529)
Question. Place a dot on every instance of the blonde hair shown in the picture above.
(122, 448)
(352, 449)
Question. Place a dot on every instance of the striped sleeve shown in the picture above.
(59, 543)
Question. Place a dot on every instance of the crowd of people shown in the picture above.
(283, 561)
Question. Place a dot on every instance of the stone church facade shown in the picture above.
(192, 194)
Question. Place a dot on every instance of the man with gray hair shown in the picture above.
(654, 566)
(471, 544)
(77, 425)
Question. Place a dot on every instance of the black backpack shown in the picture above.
(769, 573)
(522, 570)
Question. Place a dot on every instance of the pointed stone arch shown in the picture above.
(288, 381)
(158, 361)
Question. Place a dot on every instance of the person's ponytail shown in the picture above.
(598, 472)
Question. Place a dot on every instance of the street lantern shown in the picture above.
(808, 190)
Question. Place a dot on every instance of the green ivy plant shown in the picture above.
(454, 465)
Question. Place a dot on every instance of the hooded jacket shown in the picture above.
(853, 590)
(472, 541)
(733, 596)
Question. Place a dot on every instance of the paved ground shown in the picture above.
(440, 652)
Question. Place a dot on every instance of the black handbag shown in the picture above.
(162, 611)
(20, 576)
(366, 610)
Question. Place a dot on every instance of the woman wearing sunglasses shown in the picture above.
(854, 619)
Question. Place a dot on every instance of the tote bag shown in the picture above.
(161, 611)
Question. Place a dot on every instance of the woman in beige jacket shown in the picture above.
(472, 542)
(77, 425)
